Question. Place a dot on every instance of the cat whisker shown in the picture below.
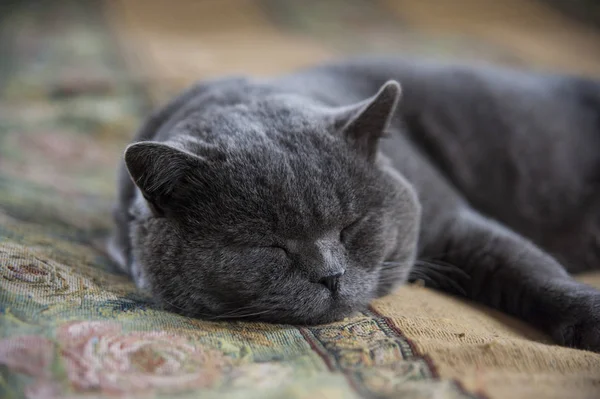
(233, 311)
(173, 305)
(243, 315)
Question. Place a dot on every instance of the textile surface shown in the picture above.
(77, 77)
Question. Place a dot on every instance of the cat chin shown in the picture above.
(335, 312)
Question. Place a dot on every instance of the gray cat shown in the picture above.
(299, 199)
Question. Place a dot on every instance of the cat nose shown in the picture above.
(332, 282)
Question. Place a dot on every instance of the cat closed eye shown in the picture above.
(346, 232)
(278, 248)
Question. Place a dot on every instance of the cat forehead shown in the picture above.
(255, 118)
(287, 191)
(263, 141)
(284, 171)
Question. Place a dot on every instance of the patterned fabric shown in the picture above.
(72, 93)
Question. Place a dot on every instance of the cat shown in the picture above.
(300, 198)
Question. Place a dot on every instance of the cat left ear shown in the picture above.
(158, 170)
(363, 124)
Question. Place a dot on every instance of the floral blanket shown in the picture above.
(75, 79)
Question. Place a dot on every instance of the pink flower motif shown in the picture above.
(29, 355)
(99, 356)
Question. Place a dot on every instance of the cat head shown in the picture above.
(274, 209)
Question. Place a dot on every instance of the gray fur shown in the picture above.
(482, 182)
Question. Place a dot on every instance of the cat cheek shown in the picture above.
(273, 258)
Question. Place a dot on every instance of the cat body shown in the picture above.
(300, 198)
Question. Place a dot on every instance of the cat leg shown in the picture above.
(507, 272)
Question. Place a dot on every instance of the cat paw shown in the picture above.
(582, 331)
(584, 336)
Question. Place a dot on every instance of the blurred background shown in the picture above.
(77, 76)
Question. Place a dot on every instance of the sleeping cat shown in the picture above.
(299, 199)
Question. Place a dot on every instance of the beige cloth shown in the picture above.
(489, 352)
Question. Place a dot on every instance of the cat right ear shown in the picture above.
(363, 124)
(157, 170)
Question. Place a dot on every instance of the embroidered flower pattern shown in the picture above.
(99, 356)
(45, 281)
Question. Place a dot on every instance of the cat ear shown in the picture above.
(157, 169)
(363, 124)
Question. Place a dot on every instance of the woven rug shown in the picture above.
(77, 77)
